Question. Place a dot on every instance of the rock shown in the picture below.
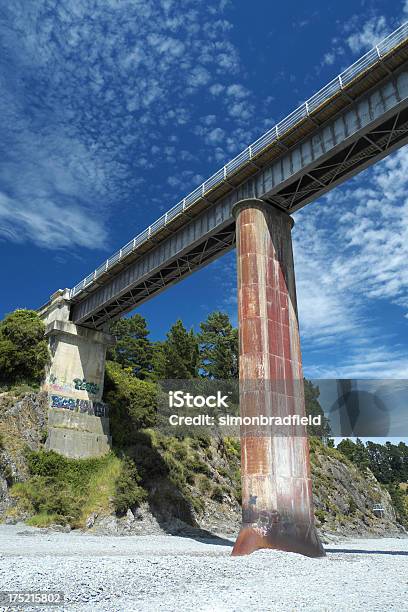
(129, 515)
(90, 521)
(60, 528)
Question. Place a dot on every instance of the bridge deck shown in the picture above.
(355, 120)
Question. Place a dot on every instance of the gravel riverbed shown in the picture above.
(169, 573)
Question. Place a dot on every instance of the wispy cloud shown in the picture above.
(94, 96)
(364, 36)
(350, 249)
(360, 33)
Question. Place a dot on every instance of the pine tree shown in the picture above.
(133, 348)
(218, 341)
(181, 353)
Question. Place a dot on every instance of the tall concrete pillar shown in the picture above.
(277, 504)
(78, 423)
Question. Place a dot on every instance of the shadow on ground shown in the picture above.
(357, 551)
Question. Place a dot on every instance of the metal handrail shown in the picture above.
(365, 62)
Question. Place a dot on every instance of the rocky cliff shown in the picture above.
(23, 423)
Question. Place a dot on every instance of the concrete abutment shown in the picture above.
(78, 420)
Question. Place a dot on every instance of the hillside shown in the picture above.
(161, 484)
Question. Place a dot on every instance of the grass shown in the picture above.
(43, 519)
(66, 491)
(101, 488)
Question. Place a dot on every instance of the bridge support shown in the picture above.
(277, 503)
(78, 423)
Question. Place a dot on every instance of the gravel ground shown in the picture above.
(169, 573)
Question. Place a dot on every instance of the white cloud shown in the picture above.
(351, 249)
(368, 34)
(216, 89)
(100, 85)
(360, 34)
(237, 91)
(378, 362)
(48, 225)
(216, 136)
(328, 58)
(199, 76)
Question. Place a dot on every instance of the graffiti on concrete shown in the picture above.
(78, 384)
(90, 407)
(55, 385)
(81, 384)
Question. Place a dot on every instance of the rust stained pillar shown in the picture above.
(277, 503)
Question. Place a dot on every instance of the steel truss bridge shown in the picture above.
(355, 120)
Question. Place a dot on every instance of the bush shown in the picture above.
(132, 404)
(128, 493)
(66, 491)
(217, 493)
(398, 501)
(47, 496)
(23, 348)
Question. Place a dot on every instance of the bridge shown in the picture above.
(355, 120)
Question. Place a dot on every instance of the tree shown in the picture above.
(180, 353)
(158, 361)
(218, 344)
(313, 408)
(133, 348)
(132, 403)
(380, 462)
(23, 348)
(355, 452)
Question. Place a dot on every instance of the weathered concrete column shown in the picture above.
(78, 423)
(277, 503)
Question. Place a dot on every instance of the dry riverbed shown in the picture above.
(169, 573)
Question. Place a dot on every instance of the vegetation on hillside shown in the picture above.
(177, 473)
(389, 464)
(23, 349)
(67, 491)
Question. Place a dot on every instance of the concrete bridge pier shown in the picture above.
(277, 503)
(78, 421)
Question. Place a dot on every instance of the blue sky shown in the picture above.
(112, 110)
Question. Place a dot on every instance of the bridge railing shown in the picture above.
(368, 60)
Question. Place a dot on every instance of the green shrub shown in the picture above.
(47, 496)
(217, 493)
(398, 501)
(321, 515)
(232, 448)
(132, 404)
(128, 493)
(68, 490)
(23, 348)
(204, 484)
(352, 506)
(198, 466)
(43, 519)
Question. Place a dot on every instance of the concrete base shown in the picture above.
(77, 435)
(78, 419)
